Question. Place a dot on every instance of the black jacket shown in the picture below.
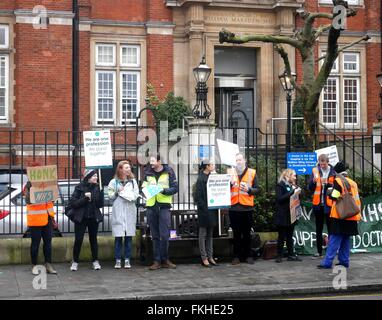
(206, 218)
(82, 206)
(283, 194)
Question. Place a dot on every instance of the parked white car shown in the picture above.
(13, 209)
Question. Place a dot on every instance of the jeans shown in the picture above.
(320, 216)
(118, 247)
(45, 233)
(340, 243)
(206, 242)
(241, 224)
(79, 232)
(159, 222)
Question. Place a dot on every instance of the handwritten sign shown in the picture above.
(44, 183)
(295, 206)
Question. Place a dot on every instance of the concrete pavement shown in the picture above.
(264, 279)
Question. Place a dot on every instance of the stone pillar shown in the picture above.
(201, 143)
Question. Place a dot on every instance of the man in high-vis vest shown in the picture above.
(341, 229)
(243, 190)
(158, 210)
(40, 219)
(321, 179)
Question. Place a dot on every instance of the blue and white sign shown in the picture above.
(302, 162)
(204, 152)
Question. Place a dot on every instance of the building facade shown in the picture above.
(126, 44)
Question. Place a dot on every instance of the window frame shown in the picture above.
(131, 65)
(5, 118)
(106, 64)
(138, 74)
(338, 115)
(357, 124)
(357, 63)
(6, 39)
(98, 120)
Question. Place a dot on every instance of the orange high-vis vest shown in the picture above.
(37, 214)
(242, 197)
(354, 191)
(317, 192)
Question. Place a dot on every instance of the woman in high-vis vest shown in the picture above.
(321, 180)
(40, 219)
(341, 229)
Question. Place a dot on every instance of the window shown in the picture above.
(105, 97)
(117, 83)
(351, 62)
(129, 96)
(105, 55)
(351, 100)
(350, 2)
(4, 85)
(4, 37)
(341, 101)
(130, 56)
(330, 101)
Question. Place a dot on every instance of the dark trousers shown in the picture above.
(321, 217)
(159, 220)
(285, 233)
(79, 232)
(340, 244)
(45, 233)
(241, 224)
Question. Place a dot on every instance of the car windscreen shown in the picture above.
(5, 191)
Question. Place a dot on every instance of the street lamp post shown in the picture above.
(288, 87)
(201, 109)
(379, 78)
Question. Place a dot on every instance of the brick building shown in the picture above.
(125, 44)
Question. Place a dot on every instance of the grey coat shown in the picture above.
(124, 214)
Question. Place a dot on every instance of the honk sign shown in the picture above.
(44, 183)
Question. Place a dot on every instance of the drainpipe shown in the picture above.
(75, 88)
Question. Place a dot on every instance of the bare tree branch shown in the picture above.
(284, 55)
(227, 36)
(320, 30)
(364, 38)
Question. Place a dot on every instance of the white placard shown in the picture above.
(97, 148)
(219, 191)
(228, 152)
(332, 152)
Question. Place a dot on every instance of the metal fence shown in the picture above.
(265, 151)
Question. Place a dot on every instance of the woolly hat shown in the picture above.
(88, 173)
(340, 167)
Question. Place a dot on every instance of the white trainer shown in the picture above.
(127, 264)
(74, 266)
(96, 265)
(117, 264)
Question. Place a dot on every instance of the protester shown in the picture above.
(86, 201)
(123, 191)
(158, 209)
(40, 220)
(285, 188)
(321, 179)
(243, 189)
(341, 229)
(207, 219)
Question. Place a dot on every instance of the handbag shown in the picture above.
(70, 213)
(346, 205)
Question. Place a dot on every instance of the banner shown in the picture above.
(97, 149)
(44, 183)
(219, 191)
(369, 228)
